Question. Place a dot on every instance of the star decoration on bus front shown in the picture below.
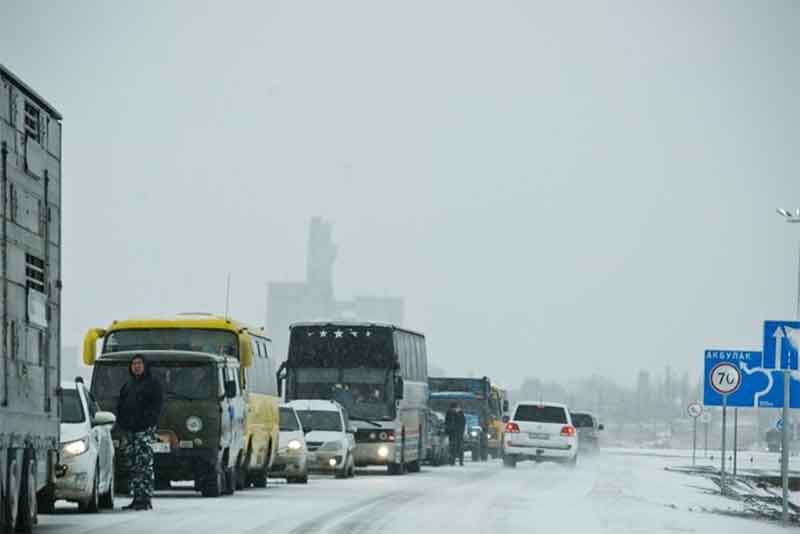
(338, 333)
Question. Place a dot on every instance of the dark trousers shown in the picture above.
(457, 448)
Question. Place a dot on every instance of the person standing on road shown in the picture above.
(454, 423)
(141, 400)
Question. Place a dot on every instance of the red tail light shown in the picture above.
(512, 427)
(568, 431)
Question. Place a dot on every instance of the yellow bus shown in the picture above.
(216, 336)
(498, 402)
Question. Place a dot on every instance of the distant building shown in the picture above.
(314, 299)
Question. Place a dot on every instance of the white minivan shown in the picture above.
(86, 472)
(540, 431)
(330, 439)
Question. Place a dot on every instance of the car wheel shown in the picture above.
(509, 461)
(92, 504)
(107, 498)
(46, 500)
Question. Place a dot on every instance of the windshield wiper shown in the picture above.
(373, 423)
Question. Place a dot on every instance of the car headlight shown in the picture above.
(295, 445)
(75, 448)
(194, 424)
(474, 433)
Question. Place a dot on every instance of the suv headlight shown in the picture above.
(75, 448)
(295, 445)
(194, 424)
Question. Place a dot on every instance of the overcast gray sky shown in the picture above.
(556, 189)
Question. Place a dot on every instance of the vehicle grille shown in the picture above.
(313, 445)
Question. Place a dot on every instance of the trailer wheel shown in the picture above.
(27, 516)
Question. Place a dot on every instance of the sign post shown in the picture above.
(735, 439)
(725, 379)
(781, 348)
(785, 447)
(695, 410)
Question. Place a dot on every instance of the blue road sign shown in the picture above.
(754, 382)
(781, 344)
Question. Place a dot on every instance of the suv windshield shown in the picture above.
(71, 407)
(582, 420)
(541, 414)
(320, 420)
(288, 420)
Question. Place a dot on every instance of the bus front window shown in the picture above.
(192, 339)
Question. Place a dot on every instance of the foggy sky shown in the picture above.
(555, 190)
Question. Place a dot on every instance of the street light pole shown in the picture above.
(790, 217)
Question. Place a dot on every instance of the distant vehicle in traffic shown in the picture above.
(540, 431)
(85, 473)
(588, 427)
(329, 437)
(290, 461)
(438, 442)
(378, 372)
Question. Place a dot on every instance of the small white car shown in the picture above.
(330, 439)
(85, 473)
(290, 462)
(540, 431)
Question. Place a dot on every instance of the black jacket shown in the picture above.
(455, 422)
(141, 401)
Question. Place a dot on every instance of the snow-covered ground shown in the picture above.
(610, 493)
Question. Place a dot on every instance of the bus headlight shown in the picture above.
(383, 452)
(194, 424)
(474, 433)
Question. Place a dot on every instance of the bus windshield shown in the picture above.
(193, 339)
(364, 392)
(180, 381)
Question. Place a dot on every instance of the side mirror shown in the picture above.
(505, 406)
(280, 376)
(230, 388)
(506, 419)
(601, 427)
(104, 418)
(307, 429)
(398, 387)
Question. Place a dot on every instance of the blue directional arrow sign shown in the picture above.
(754, 381)
(781, 344)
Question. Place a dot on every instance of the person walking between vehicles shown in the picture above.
(454, 423)
(141, 400)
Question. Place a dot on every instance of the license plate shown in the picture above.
(539, 436)
(160, 446)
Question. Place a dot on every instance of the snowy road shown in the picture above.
(607, 494)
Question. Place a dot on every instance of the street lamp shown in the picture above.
(790, 217)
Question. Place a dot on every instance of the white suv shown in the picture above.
(540, 431)
(330, 439)
(86, 472)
